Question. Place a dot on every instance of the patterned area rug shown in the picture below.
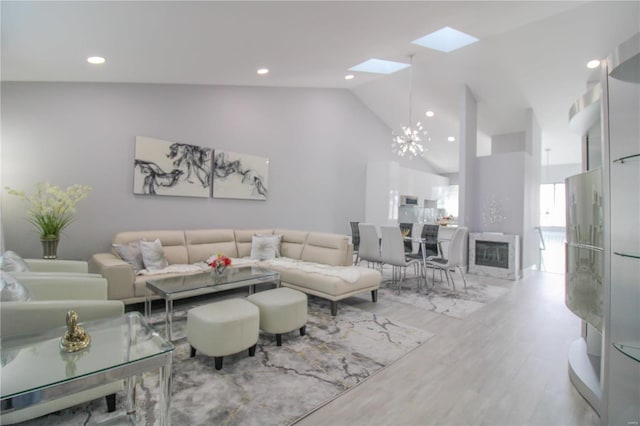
(278, 385)
(440, 298)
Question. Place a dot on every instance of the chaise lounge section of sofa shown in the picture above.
(319, 264)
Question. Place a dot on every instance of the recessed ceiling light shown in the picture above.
(349, 77)
(451, 139)
(593, 64)
(379, 66)
(96, 60)
(263, 71)
(446, 39)
(430, 114)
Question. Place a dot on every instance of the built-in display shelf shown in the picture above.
(584, 372)
(629, 350)
(631, 255)
(621, 160)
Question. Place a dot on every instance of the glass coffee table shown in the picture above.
(204, 283)
(35, 370)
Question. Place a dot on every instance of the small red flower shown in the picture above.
(218, 261)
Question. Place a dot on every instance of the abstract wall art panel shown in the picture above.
(240, 176)
(171, 168)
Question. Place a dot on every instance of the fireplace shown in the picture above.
(495, 255)
(492, 253)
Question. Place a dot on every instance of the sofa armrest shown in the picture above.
(18, 318)
(118, 273)
(61, 287)
(21, 275)
(55, 265)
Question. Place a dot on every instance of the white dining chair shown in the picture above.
(455, 258)
(369, 248)
(393, 253)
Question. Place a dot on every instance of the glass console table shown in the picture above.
(203, 283)
(35, 370)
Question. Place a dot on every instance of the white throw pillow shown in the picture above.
(11, 290)
(12, 262)
(153, 255)
(265, 247)
(131, 254)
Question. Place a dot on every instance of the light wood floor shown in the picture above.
(505, 364)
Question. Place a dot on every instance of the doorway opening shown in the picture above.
(552, 227)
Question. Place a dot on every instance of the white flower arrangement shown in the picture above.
(50, 208)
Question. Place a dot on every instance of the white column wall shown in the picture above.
(468, 107)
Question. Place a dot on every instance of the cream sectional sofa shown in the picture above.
(319, 264)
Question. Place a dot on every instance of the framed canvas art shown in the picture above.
(240, 176)
(171, 168)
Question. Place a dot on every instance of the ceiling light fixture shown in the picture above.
(263, 71)
(451, 139)
(429, 114)
(349, 77)
(593, 64)
(96, 60)
(408, 142)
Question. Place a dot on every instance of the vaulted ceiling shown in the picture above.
(530, 54)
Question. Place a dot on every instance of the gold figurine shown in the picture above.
(75, 338)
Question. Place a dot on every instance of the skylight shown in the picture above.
(446, 39)
(379, 66)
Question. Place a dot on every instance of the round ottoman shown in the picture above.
(223, 328)
(281, 310)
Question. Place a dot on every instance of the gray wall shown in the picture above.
(557, 173)
(498, 192)
(506, 192)
(508, 142)
(318, 142)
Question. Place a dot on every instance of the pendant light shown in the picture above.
(409, 141)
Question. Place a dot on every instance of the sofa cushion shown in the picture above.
(265, 247)
(131, 254)
(244, 239)
(153, 255)
(292, 242)
(332, 285)
(331, 249)
(173, 243)
(204, 243)
(13, 262)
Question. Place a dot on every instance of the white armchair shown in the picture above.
(55, 265)
(52, 297)
(52, 267)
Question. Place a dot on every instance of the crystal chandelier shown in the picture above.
(409, 141)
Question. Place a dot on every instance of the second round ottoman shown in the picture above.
(281, 310)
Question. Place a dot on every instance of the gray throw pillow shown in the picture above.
(131, 254)
(11, 290)
(12, 262)
(153, 255)
(265, 247)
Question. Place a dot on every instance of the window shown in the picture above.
(552, 204)
(448, 202)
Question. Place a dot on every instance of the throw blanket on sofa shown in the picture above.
(177, 269)
(349, 274)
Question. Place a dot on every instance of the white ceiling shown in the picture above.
(530, 54)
